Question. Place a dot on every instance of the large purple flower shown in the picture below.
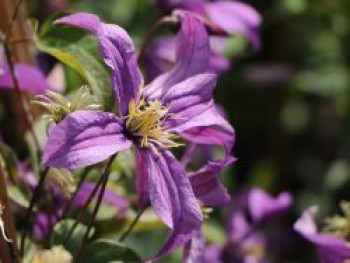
(332, 247)
(176, 104)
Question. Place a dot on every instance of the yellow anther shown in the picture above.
(146, 120)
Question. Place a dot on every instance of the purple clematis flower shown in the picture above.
(176, 104)
(330, 248)
(228, 17)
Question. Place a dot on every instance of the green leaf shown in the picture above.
(79, 50)
(107, 251)
(10, 159)
(61, 231)
(17, 195)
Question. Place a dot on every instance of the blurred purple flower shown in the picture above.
(162, 53)
(30, 78)
(48, 216)
(330, 248)
(230, 17)
(50, 210)
(247, 240)
(177, 103)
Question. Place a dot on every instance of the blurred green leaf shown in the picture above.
(10, 160)
(61, 231)
(17, 196)
(79, 50)
(330, 80)
(107, 251)
(214, 232)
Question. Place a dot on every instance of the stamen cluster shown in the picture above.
(146, 120)
(58, 107)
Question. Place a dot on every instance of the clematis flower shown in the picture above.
(228, 17)
(248, 236)
(332, 244)
(176, 104)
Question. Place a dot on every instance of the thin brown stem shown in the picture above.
(12, 20)
(6, 39)
(8, 250)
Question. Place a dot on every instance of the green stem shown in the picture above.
(133, 224)
(83, 212)
(69, 204)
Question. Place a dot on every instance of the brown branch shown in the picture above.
(8, 251)
(13, 23)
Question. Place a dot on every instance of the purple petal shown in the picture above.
(172, 199)
(330, 249)
(192, 56)
(141, 178)
(239, 227)
(236, 17)
(160, 56)
(262, 205)
(206, 183)
(29, 78)
(209, 128)
(109, 196)
(43, 225)
(194, 249)
(212, 254)
(84, 138)
(118, 53)
(188, 98)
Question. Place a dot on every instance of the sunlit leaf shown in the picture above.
(79, 50)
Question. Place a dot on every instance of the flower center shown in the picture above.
(339, 225)
(146, 121)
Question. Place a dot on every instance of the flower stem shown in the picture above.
(82, 213)
(37, 192)
(69, 204)
(133, 224)
(105, 177)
